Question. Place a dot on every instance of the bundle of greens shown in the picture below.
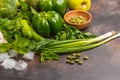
(22, 37)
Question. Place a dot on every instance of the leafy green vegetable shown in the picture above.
(38, 46)
(8, 8)
(12, 32)
(70, 32)
(17, 32)
(24, 15)
(23, 11)
(23, 5)
(33, 3)
(10, 28)
(20, 45)
(4, 47)
(48, 55)
(81, 45)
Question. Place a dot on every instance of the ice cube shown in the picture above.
(21, 65)
(12, 53)
(30, 55)
(4, 56)
(8, 63)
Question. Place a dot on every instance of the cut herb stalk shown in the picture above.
(82, 48)
(80, 42)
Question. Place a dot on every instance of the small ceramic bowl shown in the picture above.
(84, 14)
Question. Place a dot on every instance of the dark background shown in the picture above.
(103, 63)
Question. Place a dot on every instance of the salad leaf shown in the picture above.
(11, 30)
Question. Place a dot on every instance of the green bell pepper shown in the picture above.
(59, 6)
(47, 23)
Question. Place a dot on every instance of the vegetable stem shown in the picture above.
(54, 43)
(82, 48)
(82, 42)
(105, 36)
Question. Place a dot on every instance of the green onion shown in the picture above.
(79, 42)
(54, 43)
(85, 57)
(78, 47)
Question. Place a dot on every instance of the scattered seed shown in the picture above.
(72, 62)
(77, 60)
(69, 57)
(80, 62)
(74, 54)
(68, 61)
(85, 57)
(78, 55)
(74, 57)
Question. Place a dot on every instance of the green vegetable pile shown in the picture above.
(43, 31)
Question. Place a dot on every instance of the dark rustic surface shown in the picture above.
(103, 63)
